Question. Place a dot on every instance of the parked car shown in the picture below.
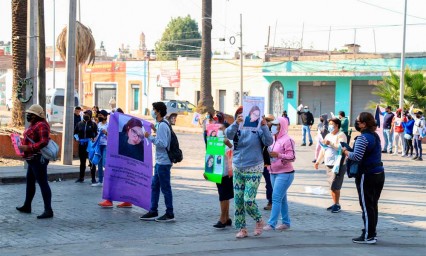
(176, 107)
(55, 99)
(9, 104)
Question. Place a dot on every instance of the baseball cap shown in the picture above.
(88, 112)
(36, 110)
(419, 112)
(305, 107)
(104, 112)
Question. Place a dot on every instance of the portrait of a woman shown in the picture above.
(131, 140)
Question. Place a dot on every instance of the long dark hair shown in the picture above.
(368, 119)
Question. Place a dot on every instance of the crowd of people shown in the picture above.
(250, 154)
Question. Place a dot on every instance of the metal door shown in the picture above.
(362, 98)
(319, 96)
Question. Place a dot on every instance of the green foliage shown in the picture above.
(181, 38)
(414, 90)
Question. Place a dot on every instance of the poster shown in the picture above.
(128, 167)
(215, 155)
(253, 110)
(196, 119)
(16, 141)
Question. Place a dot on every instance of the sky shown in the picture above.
(376, 25)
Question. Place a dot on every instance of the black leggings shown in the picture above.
(83, 155)
(37, 172)
(408, 146)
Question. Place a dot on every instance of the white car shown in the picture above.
(9, 104)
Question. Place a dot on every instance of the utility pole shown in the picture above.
(241, 60)
(54, 45)
(402, 78)
(67, 133)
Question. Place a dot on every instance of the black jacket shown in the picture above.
(86, 130)
(307, 117)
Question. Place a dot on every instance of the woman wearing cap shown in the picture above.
(131, 140)
(247, 168)
(39, 133)
(282, 174)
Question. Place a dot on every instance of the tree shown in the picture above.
(41, 56)
(181, 38)
(19, 57)
(414, 90)
(206, 100)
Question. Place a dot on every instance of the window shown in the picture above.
(135, 97)
(59, 101)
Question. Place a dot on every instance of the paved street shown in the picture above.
(80, 227)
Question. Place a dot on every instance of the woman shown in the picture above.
(408, 135)
(247, 168)
(322, 131)
(329, 154)
(371, 175)
(282, 173)
(252, 120)
(209, 164)
(207, 120)
(103, 132)
(131, 140)
(36, 137)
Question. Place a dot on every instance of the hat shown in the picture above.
(398, 110)
(305, 107)
(104, 112)
(88, 112)
(36, 110)
(276, 121)
(419, 112)
(270, 117)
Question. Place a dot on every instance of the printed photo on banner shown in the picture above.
(128, 167)
(212, 130)
(16, 141)
(196, 119)
(253, 110)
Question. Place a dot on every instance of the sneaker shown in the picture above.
(46, 215)
(362, 240)
(219, 225)
(149, 216)
(97, 184)
(242, 234)
(419, 159)
(414, 158)
(303, 144)
(282, 227)
(79, 181)
(336, 208)
(310, 143)
(229, 222)
(24, 209)
(390, 152)
(124, 205)
(106, 204)
(165, 218)
(384, 151)
(314, 161)
(330, 208)
(258, 229)
(268, 207)
(268, 228)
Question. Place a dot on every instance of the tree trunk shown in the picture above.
(41, 56)
(206, 100)
(19, 57)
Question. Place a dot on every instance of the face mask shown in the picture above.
(357, 126)
(220, 133)
(86, 118)
(153, 114)
(418, 116)
(274, 129)
(306, 110)
(208, 116)
(101, 119)
(29, 117)
(331, 128)
(321, 120)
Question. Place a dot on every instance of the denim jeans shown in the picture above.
(280, 183)
(306, 129)
(388, 137)
(101, 163)
(37, 172)
(161, 180)
(268, 185)
(418, 145)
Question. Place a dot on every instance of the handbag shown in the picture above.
(94, 151)
(408, 136)
(50, 151)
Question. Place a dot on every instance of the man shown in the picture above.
(286, 116)
(307, 122)
(269, 118)
(345, 124)
(398, 131)
(36, 137)
(387, 129)
(84, 131)
(418, 133)
(77, 116)
(161, 178)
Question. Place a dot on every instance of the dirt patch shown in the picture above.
(11, 162)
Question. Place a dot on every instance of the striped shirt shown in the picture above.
(359, 149)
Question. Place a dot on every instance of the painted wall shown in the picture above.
(136, 73)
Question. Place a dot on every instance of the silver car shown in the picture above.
(176, 107)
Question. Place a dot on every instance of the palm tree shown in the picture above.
(414, 90)
(206, 100)
(41, 56)
(19, 57)
(84, 45)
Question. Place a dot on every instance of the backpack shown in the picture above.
(50, 151)
(175, 154)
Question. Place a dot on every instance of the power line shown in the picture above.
(390, 10)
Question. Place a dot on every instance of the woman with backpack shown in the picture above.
(247, 168)
(371, 174)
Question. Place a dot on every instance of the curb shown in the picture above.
(51, 177)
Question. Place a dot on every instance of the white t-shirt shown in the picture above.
(101, 127)
(329, 154)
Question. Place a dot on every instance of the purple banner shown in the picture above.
(128, 167)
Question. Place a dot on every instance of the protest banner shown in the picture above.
(128, 168)
(253, 110)
(215, 154)
(16, 141)
(196, 119)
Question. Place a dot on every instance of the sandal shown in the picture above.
(259, 228)
(242, 234)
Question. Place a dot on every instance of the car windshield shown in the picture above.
(191, 106)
